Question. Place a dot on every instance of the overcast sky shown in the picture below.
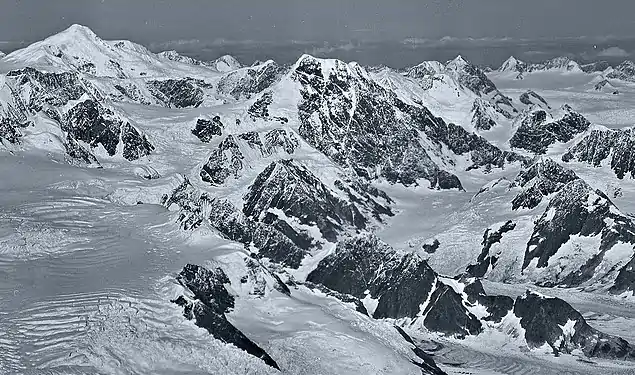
(209, 23)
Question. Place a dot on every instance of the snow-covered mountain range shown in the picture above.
(317, 218)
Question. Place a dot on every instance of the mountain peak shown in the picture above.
(512, 64)
(458, 61)
(76, 31)
(226, 63)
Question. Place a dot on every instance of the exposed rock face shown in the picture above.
(135, 145)
(224, 162)
(228, 159)
(128, 91)
(245, 82)
(625, 72)
(431, 248)
(366, 128)
(578, 210)
(196, 208)
(498, 307)
(541, 179)
(606, 144)
(95, 124)
(484, 114)
(554, 322)
(625, 280)
(558, 63)
(177, 93)
(598, 66)
(428, 366)
(10, 131)
(481, 153)
(470, 76)
(288, 195)
(487, 260)
(425, 69)
(530, 98)
(205, 129)
(366, 134)
(403, 285)
(175, 56)
(536, 132)
(39, 89)
(209, 305)
(513, 65)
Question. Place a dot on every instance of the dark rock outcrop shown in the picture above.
(10, 130)
(562, 63)
(482, 154)
(428, 366)
(196, 208)
(225, 161)
(541, 179)
(431, 248)
(402, 283)
(484, 114)
(209, 305)
(553, 322)
(91, 122)
(364, 127)
(300, 198)
(205, 129)
(177, 93)
(498, 307)
(625, 280)
(531, 98)
(536, 133)
(367, 136)
(245, 82)
(601, 144)
(577, 209)
(228, 160)
(487, 260)
(54, 89)
(625, 72)
(470, 76)
(598, 66)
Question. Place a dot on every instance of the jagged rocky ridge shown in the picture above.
(579, 211)
(598, 66)
(245, 82)
(542, 178)
(228, 160)
(513, 65)
(402, 283)
(197, 208)
(537, 130)
(553, 322)
(206, 129)
(487, 260)
(401, 286)
(287, 195)
(87, 120)
(558, 63)
(366, 128)
(625, 72)
(283, 208)
(531, 98)
(606, 145)
(95, 124)
(209, 304)
(177, 93)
